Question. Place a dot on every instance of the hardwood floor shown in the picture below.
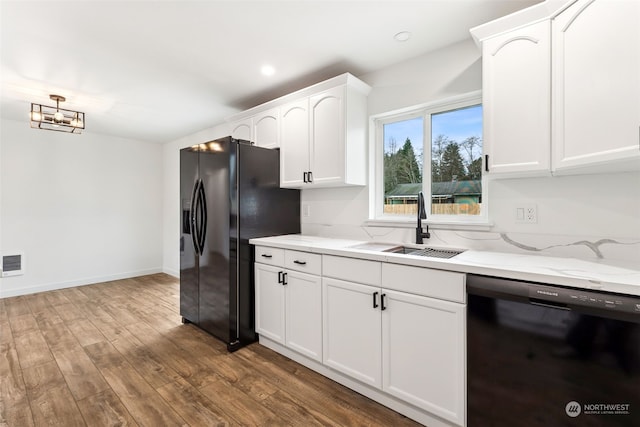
(116, 354)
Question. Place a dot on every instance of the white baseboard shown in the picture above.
(6, 293)
(171, 272)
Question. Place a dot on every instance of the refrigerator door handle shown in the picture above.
(203, 225)
(193, 227)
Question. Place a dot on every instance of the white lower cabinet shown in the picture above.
(352, 330)
(270, 314)
(303, 314)
(410, 346)
(392, 332)
(423, 353)
(289, 308)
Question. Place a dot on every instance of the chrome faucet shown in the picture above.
(422, 214)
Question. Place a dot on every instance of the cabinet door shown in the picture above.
(294, 143)
(517, 101)
(328, 136)
(351, 330)
(423, 359)
(265, 129)
(303, 302)
(596, 84)
(242, 129)
(270, 314)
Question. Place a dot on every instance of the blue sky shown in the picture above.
(458, 125)
(400, 131)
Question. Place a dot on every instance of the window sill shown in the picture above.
(480, 225)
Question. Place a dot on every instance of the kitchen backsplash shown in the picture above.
(581, 247)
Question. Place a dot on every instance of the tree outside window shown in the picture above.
(454, 175)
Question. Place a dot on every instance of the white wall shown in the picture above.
(83, 208)
(453, 70)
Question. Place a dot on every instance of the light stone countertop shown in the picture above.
(595, 275)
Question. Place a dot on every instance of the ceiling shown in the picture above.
(159, 70)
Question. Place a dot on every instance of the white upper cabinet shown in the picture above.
(321, 132)
(326, 146)
(596, 85)
(517, 100)
(242, 129)
(334, 151)
(262, 128)
(561, 88)
(266, 128)
(294, 140)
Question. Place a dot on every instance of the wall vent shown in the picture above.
(12, 264)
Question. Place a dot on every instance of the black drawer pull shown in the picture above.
(375, 300)
(267, 256)
(382, 302)
(300, 262)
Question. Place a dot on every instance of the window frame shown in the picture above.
(376, 169)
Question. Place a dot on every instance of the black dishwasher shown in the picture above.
(544, 355)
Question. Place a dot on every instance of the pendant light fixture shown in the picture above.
(56, 118)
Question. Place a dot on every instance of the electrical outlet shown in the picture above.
(531, 214)
(306, 210)
(526, 214)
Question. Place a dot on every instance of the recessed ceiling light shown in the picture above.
(267, 70)
(402, 36)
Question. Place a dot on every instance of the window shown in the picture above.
(436, 149)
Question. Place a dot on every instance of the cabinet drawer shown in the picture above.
(271, 256)
(303, 261)
(446, 285)
(351, 269)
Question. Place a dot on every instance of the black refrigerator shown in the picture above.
(230, 192)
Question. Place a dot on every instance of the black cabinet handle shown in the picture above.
(486, 163)
(300, 262)
(267, 256)
(284, 279)
(309, 177)
(382, 302)
(375, 300)
(280, 277)
(304, 177)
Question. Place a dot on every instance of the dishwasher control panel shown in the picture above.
(576, 297)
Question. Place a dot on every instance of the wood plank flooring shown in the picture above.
(117, 354)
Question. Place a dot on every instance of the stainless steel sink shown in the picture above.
(408, 250)
(426, 252)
